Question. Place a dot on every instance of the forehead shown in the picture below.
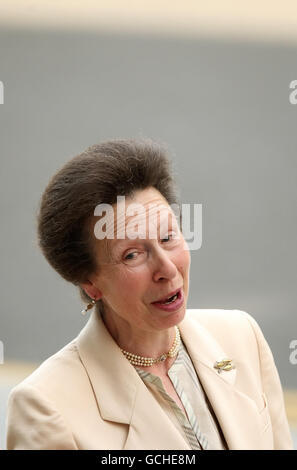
(146, 203)
(146, 212)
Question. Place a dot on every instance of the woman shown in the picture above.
(145, 372)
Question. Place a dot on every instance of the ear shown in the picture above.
(91, 290)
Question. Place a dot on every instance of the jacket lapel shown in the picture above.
(122, 396)
(111, 375)
(236, 412)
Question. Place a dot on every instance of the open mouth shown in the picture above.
(170, 299)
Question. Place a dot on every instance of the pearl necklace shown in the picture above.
(149, 361)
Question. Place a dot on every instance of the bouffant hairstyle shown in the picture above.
(96, 176)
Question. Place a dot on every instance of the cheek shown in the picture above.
(183, 260)
(125, 291)
(133, 281)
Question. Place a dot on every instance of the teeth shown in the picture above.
(172, 300)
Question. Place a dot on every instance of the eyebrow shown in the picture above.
(117, 244)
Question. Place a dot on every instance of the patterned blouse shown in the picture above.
(199, 426)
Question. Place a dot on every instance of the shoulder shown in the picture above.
(54, 375)
(214, 319)
(37, 416)
(233, 329)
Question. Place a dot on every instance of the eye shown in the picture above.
(170, 236)
(130, 255)
(135, 257)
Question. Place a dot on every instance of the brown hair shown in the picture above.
(96, 176)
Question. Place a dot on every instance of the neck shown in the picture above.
(143, 342)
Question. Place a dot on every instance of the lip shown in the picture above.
(174, 306)
(171, 294)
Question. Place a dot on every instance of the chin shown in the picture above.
(182, 314)
(175, 318)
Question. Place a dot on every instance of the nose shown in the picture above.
(164, 267)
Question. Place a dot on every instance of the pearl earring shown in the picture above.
(88, 307)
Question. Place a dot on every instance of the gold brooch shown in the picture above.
(224, 364)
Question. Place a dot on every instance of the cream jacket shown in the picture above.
(88, 396)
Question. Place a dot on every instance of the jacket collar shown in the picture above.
(122, 396)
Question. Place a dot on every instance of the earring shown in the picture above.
(91, 305)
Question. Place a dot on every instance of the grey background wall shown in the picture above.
(221, 106)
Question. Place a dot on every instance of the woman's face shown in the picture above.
(136, 272)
